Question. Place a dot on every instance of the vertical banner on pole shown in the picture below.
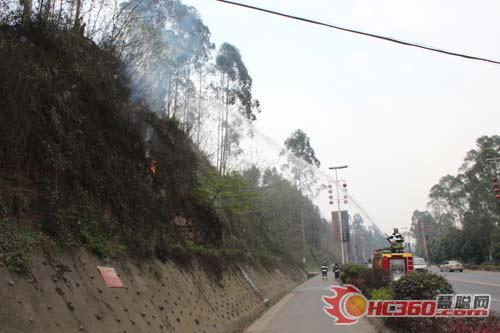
(344, 215)
(335, 226)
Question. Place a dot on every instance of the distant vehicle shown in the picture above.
(451, 266)
(420, 265)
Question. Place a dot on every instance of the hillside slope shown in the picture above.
(75, 153)
(88, 178)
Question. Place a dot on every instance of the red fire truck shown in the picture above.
(397, 264)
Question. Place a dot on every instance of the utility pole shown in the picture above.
(496, 184)
(342, 252)
(303, 236)
(496, 191)
(302, 221)
(355, 245)
(425, 241)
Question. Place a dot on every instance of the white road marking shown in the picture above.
(475, 282)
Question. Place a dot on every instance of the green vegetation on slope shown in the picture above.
(16, 246)
(74, 164)
(89, 103)
(73, 153)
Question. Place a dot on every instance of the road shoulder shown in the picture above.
(302, 311)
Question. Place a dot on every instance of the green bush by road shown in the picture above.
(483, 267)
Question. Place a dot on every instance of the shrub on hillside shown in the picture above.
(16, 246)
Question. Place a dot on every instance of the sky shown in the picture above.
(400, 117)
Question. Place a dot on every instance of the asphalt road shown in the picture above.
(475, 282)
(302, 311)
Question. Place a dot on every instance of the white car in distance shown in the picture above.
(420, 265)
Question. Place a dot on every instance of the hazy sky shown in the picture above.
(399, 116)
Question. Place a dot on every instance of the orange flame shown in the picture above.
(152, 167)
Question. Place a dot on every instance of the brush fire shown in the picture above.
(152, 167)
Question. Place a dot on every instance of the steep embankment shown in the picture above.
(67, 294)
(77, 184)
(75, 152)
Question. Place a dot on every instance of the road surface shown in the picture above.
(302, 311)
(475, 282)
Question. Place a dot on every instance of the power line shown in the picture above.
(389, 39)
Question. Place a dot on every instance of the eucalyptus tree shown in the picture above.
(483, 215)
(233, 89)
(300, 161)
(161, 43)
(465, 209)
(448, 200)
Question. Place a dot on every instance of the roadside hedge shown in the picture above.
(364, 278)
(421, 285)
(417, 286)
(483, 267)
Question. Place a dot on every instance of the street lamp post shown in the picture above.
(338, 211)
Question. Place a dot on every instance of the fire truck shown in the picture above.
(398, 264)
